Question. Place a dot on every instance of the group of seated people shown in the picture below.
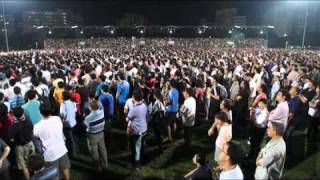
(46, 96)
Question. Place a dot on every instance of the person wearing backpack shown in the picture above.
(157, 117)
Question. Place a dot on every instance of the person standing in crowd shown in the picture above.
(22, 133)
(4, 101)
(270, 161)
(223, 124)
(95, 122)
(262, 94)
(172, 108)
(281, 113)
(226, 106)
(157, 117)
(137, 128)
(202, 171)
(188, 112)
(36, 164)
(235, 88)
(4, 163)
(32, 107)
(50, 132)
(68, 110)
(259, 116)
(123, 88)
(275, 87)
(107, 101)
(58, 94)
(17, 100)
(231, 156)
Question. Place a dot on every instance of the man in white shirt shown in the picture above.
(188, 112)
(49, 131)
(231, 155)
(260, 116)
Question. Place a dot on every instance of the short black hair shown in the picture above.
(173, 83)
(102, 78)
(137, 95)
(235, 152)
(31, 94)
(17, 112)
(189, 91)
(35, 162)
(285, 93)
(264, 101)
(222, 116)
(121, 75)
(227, 103)
(105, 88)
(45, 110)
(16, 90)
(12, 82)
(66, 95)
(60, 84)
(201, 158)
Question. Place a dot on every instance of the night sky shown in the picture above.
(157, 12)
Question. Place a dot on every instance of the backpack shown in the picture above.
(43, 99)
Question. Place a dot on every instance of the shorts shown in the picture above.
(171, 118)
(62, 163)
(22, 154)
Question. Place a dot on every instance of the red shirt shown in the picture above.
(77, 99)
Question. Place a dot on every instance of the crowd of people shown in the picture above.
(155, 42)
(46, 96)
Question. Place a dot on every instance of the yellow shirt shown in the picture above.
(58, 95)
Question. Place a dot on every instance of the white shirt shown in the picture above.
(235, 173)
(9, 92)
(190, 104)
(261, 117)
(46, 75)
(51, 135)
(68, 111)
(128, 105)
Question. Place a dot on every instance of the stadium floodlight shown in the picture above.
(170, 31)
(141, 31)
(49, 32)
(111, 31)
(81, 32)
(261, 32)
(237, 27)
(230, 31)
(199, 31)
(39, 27)
(270, 27)
(73, 27)
(285, 35)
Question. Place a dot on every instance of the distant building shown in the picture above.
(229, 17)
(33, 19)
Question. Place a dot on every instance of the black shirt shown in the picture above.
(203, 172)
(21, 132)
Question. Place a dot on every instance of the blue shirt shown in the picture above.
(174, 100)
(123, 90)
(32, 111)
(107, 101)
(138, 116)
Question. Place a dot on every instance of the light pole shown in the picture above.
(5, 27)
(305, 25)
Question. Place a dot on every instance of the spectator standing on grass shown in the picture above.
(50, 132)
(32, 107)
(202, 171)
(231, 156)
(270, 161)
(223, 124)
(95, 123)
(281, 113)
(137, 128)
(21, 133)
(172, 109)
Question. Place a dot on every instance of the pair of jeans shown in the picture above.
(98, 150)
(187, 134)
(136, 148)
(70, 143)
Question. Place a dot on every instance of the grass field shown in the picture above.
(176, 161)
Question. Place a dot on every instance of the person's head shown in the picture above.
(93, 76)
(232, 153)
(94, 105)
(35, 163)
(18, 112)
(102, 78)
(275, 129)
(12, 82)
(35, 82)
(61, 85)
(17, 90)
(31, 94)
(121, 76)
(137, 96)
(262, 88)
(263, 104)
(173, 84)
(282, 95)
(294, 91)
(66, 95)
(3, 112)
(226, 105)
(199, 159)
(157, 94)
(45, 110)
(105, 88)
(188, 92)
(222, 118)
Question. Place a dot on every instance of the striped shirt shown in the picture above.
(94, 122)
(16, 101)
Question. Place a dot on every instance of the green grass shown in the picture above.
(176, 161)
